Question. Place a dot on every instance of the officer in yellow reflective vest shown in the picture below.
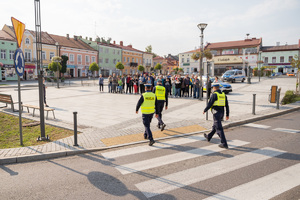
(148, 104)
(162, 97)
(216, 103)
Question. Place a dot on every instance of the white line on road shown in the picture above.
(266, 187)
(286, 130)
(184, 178)
(176, 157)
(158, 145)
(257, 126)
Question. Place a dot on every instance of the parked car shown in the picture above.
(277, 74)
(233, 76)
(290, 74)
(224, 87)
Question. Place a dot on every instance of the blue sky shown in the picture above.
(170, 26)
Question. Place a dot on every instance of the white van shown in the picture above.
(234, 75)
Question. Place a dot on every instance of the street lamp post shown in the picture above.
(57, 54)
(201, 26)
(207, 79)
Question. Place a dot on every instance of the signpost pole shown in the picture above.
(20, 112)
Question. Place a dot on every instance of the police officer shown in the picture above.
(216, 103)
(148, 104)
(162, 97)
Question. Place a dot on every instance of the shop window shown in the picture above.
(281, 59)
(273, 59)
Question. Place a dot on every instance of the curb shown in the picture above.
(51, 155)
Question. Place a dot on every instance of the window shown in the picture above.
(106, 50)
(182, 60)
(273, 59)
(118, 60)
(187, 70)
(71, 57)
(79, 58)
(3, 54)
(140, 61)
(266, 60)
(128, 59)
(51, 55)
(114, 51)
(188, 60)
(93, 59)
(11, 54)
(101, 60)
(27, 41)
(281, 59)
(106, 60)
(43, 55)
(118, 52)
(290, 58)
(27, 55)
(101, 50)
(87, 59)
(136, 60)
(132, 59)
(124, 59)
(144, 60)
(115, 61)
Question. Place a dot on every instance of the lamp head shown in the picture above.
(202, 26)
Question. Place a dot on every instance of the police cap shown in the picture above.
(159, 81)
(215, 85)
(148, 85)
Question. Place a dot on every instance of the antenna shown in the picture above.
(248, 35)
(96, 29)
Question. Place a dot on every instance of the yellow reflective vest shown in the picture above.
(221, 99)
(148, 106)
(160, 92)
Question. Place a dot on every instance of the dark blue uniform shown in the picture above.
(160, 107)
(218, 114)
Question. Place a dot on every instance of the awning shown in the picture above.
(71, 66)
(29, 66)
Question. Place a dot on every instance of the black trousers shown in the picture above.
(142, 88)
(100, 87)
(128, 87)
(217, 127)
(147, 118)
(160, 107)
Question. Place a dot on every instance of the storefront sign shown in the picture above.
(227, 60)
(230, 51)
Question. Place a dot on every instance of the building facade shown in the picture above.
(278, 58)
(7, 51)
(147, 61)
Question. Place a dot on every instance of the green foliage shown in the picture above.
(180, 69)
(141, 68)
(295, 62)
(94, 67)
(53, 66)
(64, 63)
(290, 97)
(206, 53)
(119, 66)
(149, 49)
(158, 66)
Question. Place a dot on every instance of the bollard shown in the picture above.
(277, 98)
(253, 105)
(201, 94)
(75, 129)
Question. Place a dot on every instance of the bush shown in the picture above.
(289, 97)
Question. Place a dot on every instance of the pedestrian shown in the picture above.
(123, 78)
(142, 81)
(173, 86)
(44, 90)
(162, 97)
(177, 87)
(109, 84)
(186, 86)
(196, 87)
(216, 103)
(168, 87)
(128, 84)
(135, 82)
(148, 103)
(216, 79)
(191, 84)
(114, 83)
(101, 81)
(120, 85)
(208, 88)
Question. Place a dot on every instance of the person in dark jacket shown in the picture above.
(217, 103)
(101, 81)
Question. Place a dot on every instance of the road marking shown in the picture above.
(176, 157)
(257, 126)
(286, 130)
(266, 187)
(146, 148)
(184, 178)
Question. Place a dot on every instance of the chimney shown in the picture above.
(68, 36)
(86, 38)
(115, 42)
(75, 37)
(277, 43)
(90, 39)
(121, 43)
(130, 46)
(80, 37)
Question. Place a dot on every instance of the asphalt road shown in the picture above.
(262, 162)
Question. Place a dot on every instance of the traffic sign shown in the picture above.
(19, 62)
(19, 28)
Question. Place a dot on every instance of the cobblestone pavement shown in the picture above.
(105, 115)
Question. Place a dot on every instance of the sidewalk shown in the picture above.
(109, 120)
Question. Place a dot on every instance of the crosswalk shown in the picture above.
(243, 157)
(261, 126)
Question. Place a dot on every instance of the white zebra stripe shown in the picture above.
(184, 178)
(266, 187)
(177, 157)
(286, 130)
(257, 126)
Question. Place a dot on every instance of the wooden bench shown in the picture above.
(7, 99)
(36, 107)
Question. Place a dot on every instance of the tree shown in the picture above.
(296, 64)
(94, 67)
(158, 66)
(120, 66)
(53, 66)
(141, 68)
(206, 54)
(64, 63)
(149, 49)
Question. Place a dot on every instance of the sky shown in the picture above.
(169, 26)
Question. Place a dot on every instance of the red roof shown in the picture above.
(6, 36)
(71, 42)
(230, 44)
(129, 48)
(281, 48)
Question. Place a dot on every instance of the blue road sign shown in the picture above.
(19, 62)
